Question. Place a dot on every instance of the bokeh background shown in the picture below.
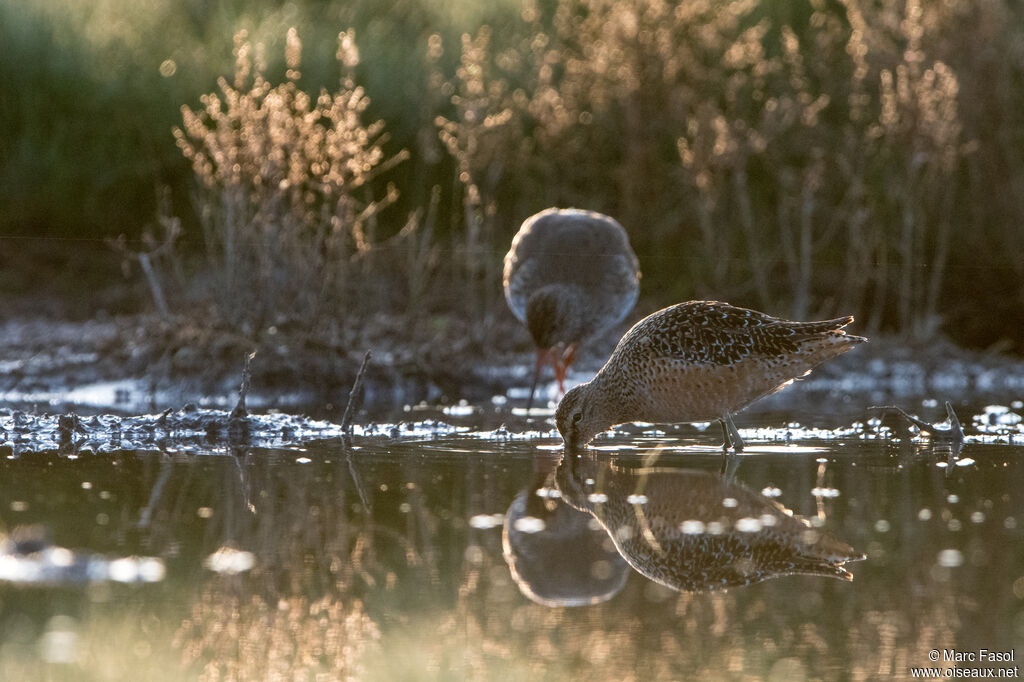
(808, 158)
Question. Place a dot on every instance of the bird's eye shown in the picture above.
(576, 417)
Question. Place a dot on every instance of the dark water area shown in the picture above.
(437, 550)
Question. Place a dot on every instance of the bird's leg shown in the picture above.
(726, 438)
(733, 438)
(542, 355)
(560, 375)
(569, 355)
(561, 359)
(730, 463)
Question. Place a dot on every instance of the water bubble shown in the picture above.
(882, 526)
(151, 569)
(486, 521)
(529, 524)
(692, 527)
(59, 644)
(950, 558)
(637, 499)
(771, 491)
(60, 556)
(730, 503)
(748, 525)
(925, 514)
(230, 561)
(124, 570)
(597, 498)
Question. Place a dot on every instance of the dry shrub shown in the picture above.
(284, 189)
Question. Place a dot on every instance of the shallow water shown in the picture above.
(437, 550)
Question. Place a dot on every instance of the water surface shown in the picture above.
(440, 551)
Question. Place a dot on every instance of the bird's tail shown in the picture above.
(822, 326)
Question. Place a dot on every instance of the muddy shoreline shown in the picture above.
(140, 365)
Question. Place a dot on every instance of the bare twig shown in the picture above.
(953, 432)
(355, 388)
(240, 412)
(154, 285)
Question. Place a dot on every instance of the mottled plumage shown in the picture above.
(695, 531)
(569, 276)
(698, 361)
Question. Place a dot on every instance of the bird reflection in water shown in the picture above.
(690, 530)
(558, 555)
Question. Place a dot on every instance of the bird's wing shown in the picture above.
(716, 333)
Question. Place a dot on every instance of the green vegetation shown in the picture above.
(806, 158)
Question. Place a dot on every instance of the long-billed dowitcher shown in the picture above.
(569, 276)
(695, 362)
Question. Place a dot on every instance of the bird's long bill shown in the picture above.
(542, 356)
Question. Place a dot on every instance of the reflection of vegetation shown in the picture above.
(247, 638)
(804, 158)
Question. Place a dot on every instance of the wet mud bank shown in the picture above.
(140, 383)
(140, 363)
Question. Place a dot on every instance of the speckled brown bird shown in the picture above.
(569, 276)
(698, 361)
(695, 531)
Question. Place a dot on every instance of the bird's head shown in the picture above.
(552, 317)
(579, 417)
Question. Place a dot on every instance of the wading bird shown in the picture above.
(569, 276)
(695, 362)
